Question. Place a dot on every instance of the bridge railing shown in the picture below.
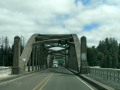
(106, 73)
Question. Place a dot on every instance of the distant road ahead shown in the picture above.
(50, 79)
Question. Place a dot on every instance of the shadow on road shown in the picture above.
(60, 71)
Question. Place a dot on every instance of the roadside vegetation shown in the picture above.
(6, 51)
(105, 55)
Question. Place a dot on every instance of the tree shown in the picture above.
(106, 55)
(92, 56)
(5, 52)
(119, 56)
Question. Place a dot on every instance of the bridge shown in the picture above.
(37, 52)
(38, 56)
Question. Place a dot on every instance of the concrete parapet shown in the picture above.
(17, 43)
(96, 84)
(83, 56)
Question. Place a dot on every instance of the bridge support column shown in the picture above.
(17, 44)
(73, 63)
(66, 59)
(39, 58)
(29, 64)
(33, 58)
(48, 61)
(43, 58)
(83, 55)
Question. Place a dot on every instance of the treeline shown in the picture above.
(6, 51)
(105, 55)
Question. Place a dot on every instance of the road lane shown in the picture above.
(65, 80)
(25, 83)
(43, 82)
(50, 79)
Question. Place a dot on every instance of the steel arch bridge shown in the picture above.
(38, 54)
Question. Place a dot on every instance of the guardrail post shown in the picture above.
(118, 76)
(114, 75)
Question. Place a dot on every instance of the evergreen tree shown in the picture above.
(92, 56)
(119, 56)
(6, 55)
(106, 55)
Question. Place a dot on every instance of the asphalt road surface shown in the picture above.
(50, 79)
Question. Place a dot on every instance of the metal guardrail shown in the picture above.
(106, 73)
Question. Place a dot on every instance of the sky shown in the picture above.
(95, 19)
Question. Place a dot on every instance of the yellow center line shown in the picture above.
(46, 82)
(46, 78)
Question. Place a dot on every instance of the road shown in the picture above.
(50, 79)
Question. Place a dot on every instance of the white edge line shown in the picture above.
(84, 83)
(17, 78)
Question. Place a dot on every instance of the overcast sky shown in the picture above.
(95, 19)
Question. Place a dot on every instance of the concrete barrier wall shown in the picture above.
(106, 73)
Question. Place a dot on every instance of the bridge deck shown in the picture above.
(50, 79)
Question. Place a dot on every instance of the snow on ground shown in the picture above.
(5, 72)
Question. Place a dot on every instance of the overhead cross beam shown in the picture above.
(50, 38)
(53, 41)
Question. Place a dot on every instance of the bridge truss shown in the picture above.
(38, 54)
